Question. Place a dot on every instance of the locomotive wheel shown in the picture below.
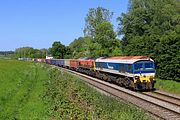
(135, 86)
(105, 77)
(127, 82)
(97, 75)
(132, 85)
(143, 85)
(119, 81)
(151, 85)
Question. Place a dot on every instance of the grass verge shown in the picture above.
(168, 86)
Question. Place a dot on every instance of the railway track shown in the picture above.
(157, 104)
(171, 99)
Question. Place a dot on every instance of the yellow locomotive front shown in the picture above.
(144, 74)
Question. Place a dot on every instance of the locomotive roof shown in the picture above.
(123, 59)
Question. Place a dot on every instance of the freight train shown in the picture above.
(132, 72)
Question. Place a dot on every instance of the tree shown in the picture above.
(100, 32)
(104, 32)
(94, 17)
(106, 38)
(68, 53)
(81, 47)
(29, 52)
(58, 50)
(44, 52)
(24, 52)
(152, 28)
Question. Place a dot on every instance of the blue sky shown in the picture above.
(38, 23)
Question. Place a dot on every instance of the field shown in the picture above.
(21, 90)
(36, 91)
(5, 57)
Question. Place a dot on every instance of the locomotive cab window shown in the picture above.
(149, 66)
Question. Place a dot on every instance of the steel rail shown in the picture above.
(163, 97)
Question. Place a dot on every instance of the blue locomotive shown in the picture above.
(136, 72)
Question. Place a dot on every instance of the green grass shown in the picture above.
(37, 92)
(22, 88)
(168, 86)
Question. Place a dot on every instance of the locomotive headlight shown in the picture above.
(137, 77)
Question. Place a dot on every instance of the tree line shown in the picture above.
(149, 28)
(29, 52)
(6, 53)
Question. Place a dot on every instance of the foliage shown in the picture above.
(104, 32)
(80, 47)
(29, 52)
(22, 89)
(58, 50)
(85, 46)
(152, 28)
(71, 98)
(105, 37)
(94, 17)
(68, 53)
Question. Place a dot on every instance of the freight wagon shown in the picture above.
(67, 63)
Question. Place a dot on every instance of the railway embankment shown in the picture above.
(159, 104)
(73, 98)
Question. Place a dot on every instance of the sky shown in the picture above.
(38, 23)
